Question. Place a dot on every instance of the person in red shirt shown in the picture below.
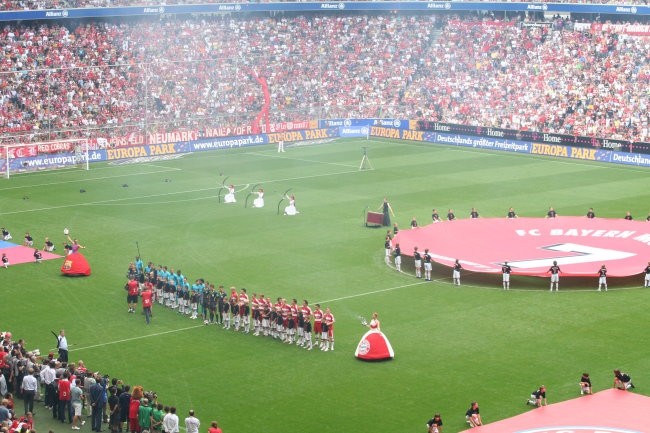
(214, 428)
(328, 330)
(64, 398)
(147, 301)
(132, 294)
(318, 325)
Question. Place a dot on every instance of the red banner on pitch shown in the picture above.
(530, 245)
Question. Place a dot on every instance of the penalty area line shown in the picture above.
(140, 337)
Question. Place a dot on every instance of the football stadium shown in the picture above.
(218, 204)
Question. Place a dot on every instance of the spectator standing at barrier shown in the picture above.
(125, 403)
(456, 273)
(551, 213)
(590, 213)
(144, 415)
(96, 404)
(555, 276)
(64, 398)
(506, 270)
(192, 423)
(170, 421)
(28, 387)
(473, 415)
(48, 374)
(76, 401)
(386, 210)
(113, 410)
(585, 384)
(602, 278)
(538, 397)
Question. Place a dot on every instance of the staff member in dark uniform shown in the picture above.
(473, 213)
(434, 425)
(551, 213)
(417, 262)
(450, 215)
(427, 265)
(590, 213)
(456, 273)
(506, 270)
(473, 415)
(511, 213)
(555, 276)
(397, 254)
(538, 397)
(435, 217)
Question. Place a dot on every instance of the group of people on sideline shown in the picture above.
(537, 398)
(69, 246)
(425, 261)
(73, 392)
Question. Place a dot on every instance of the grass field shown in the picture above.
(453, 345)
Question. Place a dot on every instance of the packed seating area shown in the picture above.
(7, 5)
(115, 78)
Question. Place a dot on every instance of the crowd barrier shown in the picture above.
(334, 128)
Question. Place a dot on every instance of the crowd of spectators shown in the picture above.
(72, 391)
(115, 78)
(9, 5)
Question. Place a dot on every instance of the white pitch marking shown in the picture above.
(135, 338)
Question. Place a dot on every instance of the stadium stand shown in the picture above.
(116, 78)
(7, 5)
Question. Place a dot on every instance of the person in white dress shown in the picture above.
(230, 197)
(291, 208)
(259, 201)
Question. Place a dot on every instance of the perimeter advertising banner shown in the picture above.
(387, 6)
(362, 128)
(518, 146)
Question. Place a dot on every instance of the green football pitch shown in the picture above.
(453, 345)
